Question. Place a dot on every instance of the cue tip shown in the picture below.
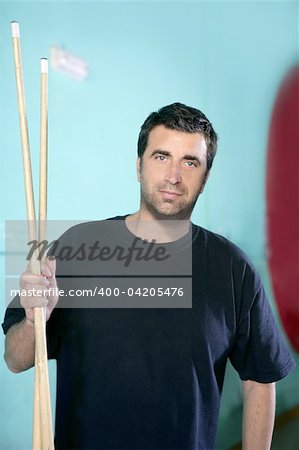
(44, 65)
(15, 29)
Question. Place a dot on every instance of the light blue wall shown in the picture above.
(226, 58)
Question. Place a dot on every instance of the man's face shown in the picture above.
(172, 173)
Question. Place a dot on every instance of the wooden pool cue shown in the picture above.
(42, 423)
(42, 401)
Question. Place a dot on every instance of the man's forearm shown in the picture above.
(19, 346)
(258, 415)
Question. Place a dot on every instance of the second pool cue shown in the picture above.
(43, 434)
(42, 429)
(43, 389)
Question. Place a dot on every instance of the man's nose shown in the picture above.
(173, 174)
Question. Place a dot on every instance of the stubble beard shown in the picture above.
(160, 208)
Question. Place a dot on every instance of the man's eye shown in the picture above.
(190, 164)
(160, 157)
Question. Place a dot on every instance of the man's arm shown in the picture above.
(20, 346)
(258, 415)
(20, 338)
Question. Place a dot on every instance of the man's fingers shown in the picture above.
(33, 302)
(35, 290)
(51, 263)
(46, 269)
(31, 278)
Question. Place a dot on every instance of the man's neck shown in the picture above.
(161, 231)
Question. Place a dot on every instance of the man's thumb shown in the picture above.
(51, 261)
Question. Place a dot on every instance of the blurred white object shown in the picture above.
(62, 61)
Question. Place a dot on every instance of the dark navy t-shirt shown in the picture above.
(151, 378)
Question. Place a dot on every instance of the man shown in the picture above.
(151, 378)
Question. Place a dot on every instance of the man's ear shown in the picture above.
(207, 174)
(138, 167)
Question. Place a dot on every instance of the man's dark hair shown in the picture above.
(178, 116)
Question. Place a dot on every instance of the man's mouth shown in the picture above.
(170, 194)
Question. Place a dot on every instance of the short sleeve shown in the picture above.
(260, 352)
(15, 314)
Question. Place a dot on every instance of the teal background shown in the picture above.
(226, 58)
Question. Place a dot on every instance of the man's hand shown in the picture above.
(20, 338)
(46, 287)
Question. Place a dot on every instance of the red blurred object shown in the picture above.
(282, 196)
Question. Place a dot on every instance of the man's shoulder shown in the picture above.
(220, 245)
(223, 256)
